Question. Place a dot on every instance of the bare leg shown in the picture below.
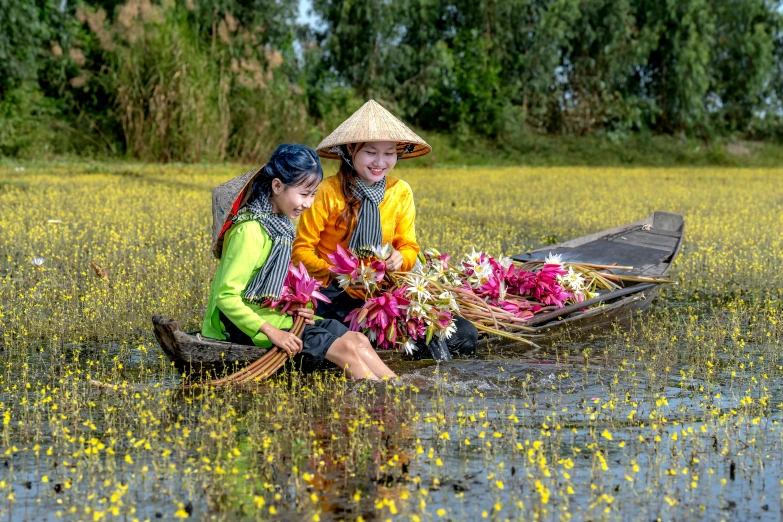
(344, 352)
(370, 357)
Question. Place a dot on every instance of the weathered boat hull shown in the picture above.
(617, 314)
(650, 245)
(196, 354)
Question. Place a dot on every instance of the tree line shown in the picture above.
(192, 80)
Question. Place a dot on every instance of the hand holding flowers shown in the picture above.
(299, 293)
(352, 272)
(307, 314)
(399, 308)
(389, 255)
(298, 298)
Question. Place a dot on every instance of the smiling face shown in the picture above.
(374, 160)
(292, 200)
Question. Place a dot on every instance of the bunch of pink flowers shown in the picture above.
(402, 308)
(299, 288)
(352, 272)
(399, 308)
(518, 291)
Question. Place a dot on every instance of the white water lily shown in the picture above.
(417, 310)
(410, 347)
(384, 252)
(418, 289)
(554, 259)
(437, 268)
(502, 290)
(443, 274)
(575, 282)
(572, 280)
(37, 261)
(344, 280)
(481, 274)
(454, 279)
(448, 297)
(447, 332)
(474, 258)
(505, 262)
(367, 275)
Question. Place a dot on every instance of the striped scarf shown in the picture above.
(268, 282)
(368, 233)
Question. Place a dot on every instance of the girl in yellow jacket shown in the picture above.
(363, 207)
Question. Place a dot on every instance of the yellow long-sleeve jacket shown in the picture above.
(319, 233)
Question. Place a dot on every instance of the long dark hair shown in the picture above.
(346, 177)
(294, 165)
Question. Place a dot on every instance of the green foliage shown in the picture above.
(21, 35)
(25, 119)
(169, 94)
(184, 96)
(743, 58)
(637, 149)
(211, 80)
(558, 66)
(163, 81)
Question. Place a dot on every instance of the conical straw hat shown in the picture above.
(227, 199)
(373, 123)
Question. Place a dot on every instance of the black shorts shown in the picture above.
(341, 303)
(316, 341)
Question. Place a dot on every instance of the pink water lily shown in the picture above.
(523, 309)
(371, 271)
(491, 288)
(551, 271)
(378, 315)
(557, 296)
(547, 289)
(299, 288)
(543, 285)
(343, 261)
(351, 270)
(417, 328)
(414, 307)
(444, 318)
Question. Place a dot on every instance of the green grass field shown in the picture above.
(677, 417)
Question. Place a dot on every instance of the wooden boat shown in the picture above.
(650, 246)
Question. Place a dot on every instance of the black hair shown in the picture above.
(294, 165)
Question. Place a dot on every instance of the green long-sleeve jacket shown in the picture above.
(245, 250)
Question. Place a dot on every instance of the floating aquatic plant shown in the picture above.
(676, 417)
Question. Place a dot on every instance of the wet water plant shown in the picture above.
(675, 416)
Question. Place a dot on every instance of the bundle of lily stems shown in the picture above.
(265, 366)
(498, 296)
(568, 284)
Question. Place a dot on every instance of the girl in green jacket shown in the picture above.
(255, 256)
